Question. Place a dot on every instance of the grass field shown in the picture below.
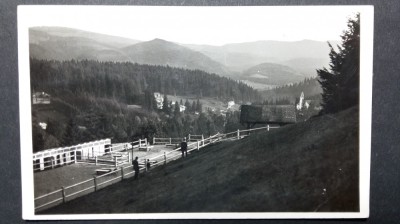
(305, 167)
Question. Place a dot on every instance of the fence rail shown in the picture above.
(163, 141)
(97, 182)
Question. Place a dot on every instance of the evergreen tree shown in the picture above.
(199, 107)
(193, 107)
(177, 108)
(187, 105)
(37, 138)
(149, 101)
(340, 84)
(71, 133)
(166, 108)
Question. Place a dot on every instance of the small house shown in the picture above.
(40, 98)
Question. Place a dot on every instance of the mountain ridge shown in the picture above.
(58, 43)
(272, 74)
(240, 56)
(163, 52)
(66, 44)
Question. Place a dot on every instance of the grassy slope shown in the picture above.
(283, 170)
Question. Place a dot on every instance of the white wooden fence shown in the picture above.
(52, 158)
(119, 173)
(74, 154)
(166, 141)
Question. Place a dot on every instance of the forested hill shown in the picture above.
(125, 82)
(309, 86)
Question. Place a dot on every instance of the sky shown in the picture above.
(200, 25)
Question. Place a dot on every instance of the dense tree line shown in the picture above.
(126, 82)
(309, 86)
(89, 101)
(340, 83)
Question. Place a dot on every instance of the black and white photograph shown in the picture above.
(189, 112)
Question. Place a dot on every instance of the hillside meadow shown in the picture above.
(304, 167)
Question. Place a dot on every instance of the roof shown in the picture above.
(40, 94)
(279, 114)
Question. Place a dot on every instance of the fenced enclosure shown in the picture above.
(51, 158)
(90, 152)
(119, 171)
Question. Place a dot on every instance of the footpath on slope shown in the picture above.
(305, 167)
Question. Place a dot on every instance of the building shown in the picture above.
(159, 99)
(267, 114)
(300, 105)
(231, 104)
(43, 125)
(182, 108)
(40, 98)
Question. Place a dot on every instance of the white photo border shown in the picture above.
(365, 115)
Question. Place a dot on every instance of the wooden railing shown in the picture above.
(97, 182)
(74, 157)
(60, 161)
(165, 141)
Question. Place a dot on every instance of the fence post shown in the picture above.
(267, 127)
(238, 134)
(198, 144)
(202, 140)
(165, 158)
(95, 182)
(63, 194)
(122, 173)
(145, 141)
(96, 160)
(170, 142)
(115, 161)
(189, 138)
(41, 163)
(140, 142)
(154, 140)
(75, 156)
(145, 165)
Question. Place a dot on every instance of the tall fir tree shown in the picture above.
(187, 105)
(71, 133)
(340, 84)
(166, 108)
(177, 110)
(199, 106)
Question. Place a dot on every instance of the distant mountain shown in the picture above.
(307, 66)
(272, 74)
(240, 56)
(60, 43)
(44, 33)
(161, 52)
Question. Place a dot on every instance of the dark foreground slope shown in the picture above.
(311, 166)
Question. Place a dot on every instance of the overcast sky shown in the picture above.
(200, 25)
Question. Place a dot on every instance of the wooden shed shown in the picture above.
(267, 114)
